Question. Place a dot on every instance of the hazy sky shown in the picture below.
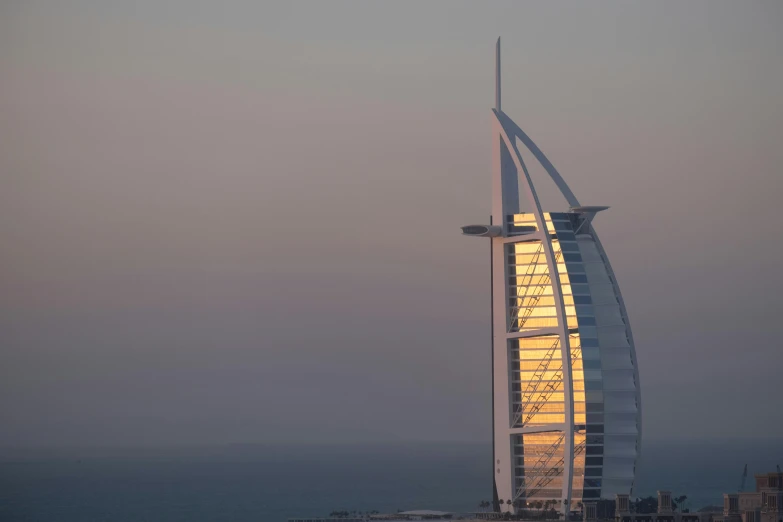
(239, 221)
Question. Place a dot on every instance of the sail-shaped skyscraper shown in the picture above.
(566, 402)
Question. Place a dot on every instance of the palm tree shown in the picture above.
(678, 501)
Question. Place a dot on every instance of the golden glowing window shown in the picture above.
(535, 323)
(544, 300)
(543, 341)
(546, 418)
(528, 247)
(553, 375)
(550, 407)
(531, 355)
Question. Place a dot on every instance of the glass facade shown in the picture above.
(538, 391)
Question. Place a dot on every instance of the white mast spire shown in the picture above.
(497, 76)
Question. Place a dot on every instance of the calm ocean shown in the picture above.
(273, 483)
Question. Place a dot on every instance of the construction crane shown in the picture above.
(744, 476)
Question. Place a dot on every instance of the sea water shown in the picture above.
(243, 483)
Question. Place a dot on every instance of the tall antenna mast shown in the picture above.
(497, 76)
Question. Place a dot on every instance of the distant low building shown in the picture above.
(622, 511)
(402, 516)
(328, 519)
(418, 514)
(763, 505)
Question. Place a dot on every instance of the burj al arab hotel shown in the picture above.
(566, 402)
